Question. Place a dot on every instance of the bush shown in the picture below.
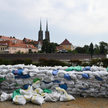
(75, 62)
(1, 61)
(7, 62)
(27, 61)
(51, 62)
(17, 61)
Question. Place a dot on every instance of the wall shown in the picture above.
(63, 57)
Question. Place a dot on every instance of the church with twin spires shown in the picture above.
(40, 33)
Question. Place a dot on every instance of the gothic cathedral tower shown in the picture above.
(47, 35)
(40, 33)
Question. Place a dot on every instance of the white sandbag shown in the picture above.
(25, 71)
(105, 85)
(38, 91)
(19, 99)
(4, 87)
(102, 88)
(52, 97)
(4, 71)
(18, 66)
(85, 94)
(90, 90)
(75, 89)
(72, 75)
(10, 77)
(49, 79)
(70, 86)
(94, 68)
(46, 77)
(79, 86)
(61, 73)
(64, 68)
(5, 83)
(102, 73)
(69, 82)
(94, 84)
(54, 87)
(94, 94)
(49, 72)
(40, 75)
(46, 86)
(28, 97)
(7, 66)
(36, 84)
(27, 81)
(37, 99)
(19, 82)
(1, 66)
(65, 96)
(27, 92)
(4, 96)
(31, 66)
(102, 69)
(96, 74)
(79, 77)
(2, 76)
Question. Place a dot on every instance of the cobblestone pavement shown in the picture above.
(80, 102)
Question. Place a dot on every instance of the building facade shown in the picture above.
(67, 45)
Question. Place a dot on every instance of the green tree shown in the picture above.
(32, 42)
(80, 50)
(48, 47)
(91, 49)
(96, 49)
(103, 47)
(86, 47)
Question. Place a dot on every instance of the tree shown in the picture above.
(45, 46)
(48, 47)
(103, 47)
(86, 47)
(91, 50)
(80, 50)
(32, 42)
(96, 49)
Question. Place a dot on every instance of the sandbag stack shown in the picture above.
(85, 81)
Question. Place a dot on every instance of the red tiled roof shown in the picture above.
(12, 44)
(65, 42)
(36, 42)
(59, 47)
(28, 40)
(4, 38)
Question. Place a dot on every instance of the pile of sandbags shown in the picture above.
(85, 81)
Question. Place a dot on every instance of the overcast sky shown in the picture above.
(79, 21)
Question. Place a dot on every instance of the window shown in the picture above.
(67, 46)
(1, 48)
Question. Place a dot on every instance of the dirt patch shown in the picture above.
(80, 102)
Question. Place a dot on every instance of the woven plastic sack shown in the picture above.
(19, 99)
(16, 92)
(37, 99)
(4, 96)
(65, 96)
(69, 68)
(52, 97)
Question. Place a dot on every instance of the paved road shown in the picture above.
(80, 102)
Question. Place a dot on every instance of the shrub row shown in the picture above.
(53, 62)
(15, 61)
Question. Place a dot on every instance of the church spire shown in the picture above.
(47, 35)
(46, 25)
(40, 33)
(40, 25)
